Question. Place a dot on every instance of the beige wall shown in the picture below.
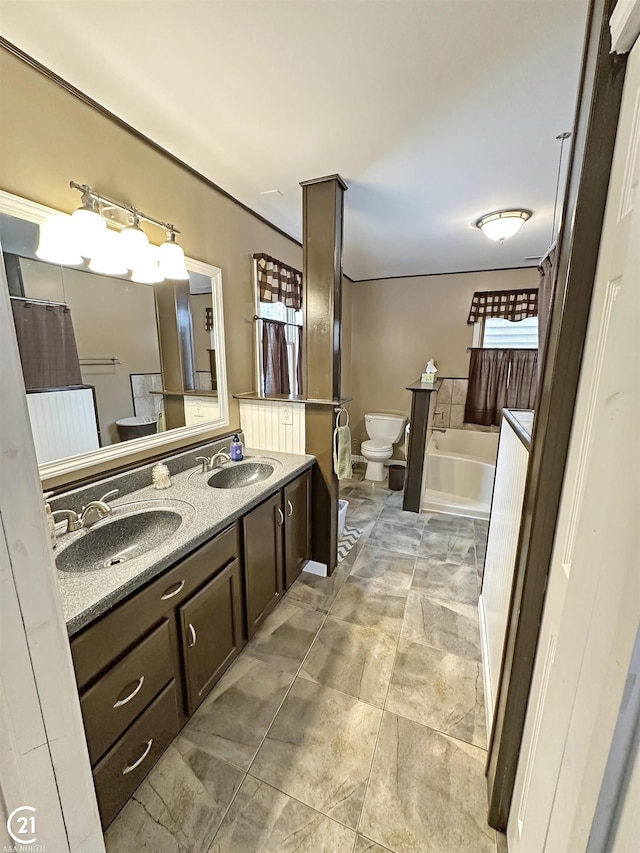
(398, 324)
(48, 137)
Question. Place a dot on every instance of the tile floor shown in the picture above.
(354, 720)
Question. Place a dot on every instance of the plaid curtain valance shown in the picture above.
(511, 305)
(278, 282)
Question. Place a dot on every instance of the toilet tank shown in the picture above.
(384, 427)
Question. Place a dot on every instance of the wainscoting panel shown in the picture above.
(63, 423)
(504, 527)
(270, 425)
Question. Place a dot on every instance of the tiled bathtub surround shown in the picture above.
(352, 722)
(450, 400)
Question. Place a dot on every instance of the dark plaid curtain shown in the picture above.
(47, 345)
(500, 378)
(278, 282)
(275, 358)
(511, 305)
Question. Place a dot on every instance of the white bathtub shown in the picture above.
(459, 469)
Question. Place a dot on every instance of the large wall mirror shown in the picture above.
(111, 366)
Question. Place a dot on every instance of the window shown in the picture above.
(496, 333)
(292, 321)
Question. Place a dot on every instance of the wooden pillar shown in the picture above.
(322, 214)
(175, 337)
(420, 400)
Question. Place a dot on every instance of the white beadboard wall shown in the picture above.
(63, 423)
(502, 542)
(270, 425)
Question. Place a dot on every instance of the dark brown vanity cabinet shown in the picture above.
(144, 666)
(277, 542)
(263, 563)
(211, 632)
(297, 526)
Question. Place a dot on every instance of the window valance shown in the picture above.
(511, 305)
(279, 282)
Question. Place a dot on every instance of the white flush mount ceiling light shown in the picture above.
(502, 224)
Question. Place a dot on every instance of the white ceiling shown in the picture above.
(434, 111)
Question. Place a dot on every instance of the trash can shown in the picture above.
(396, 477)
(129, 428)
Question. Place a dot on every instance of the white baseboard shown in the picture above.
(486, 678)
(315, 568)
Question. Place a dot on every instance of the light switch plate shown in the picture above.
(286, 415)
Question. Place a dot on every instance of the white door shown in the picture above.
(593, 602)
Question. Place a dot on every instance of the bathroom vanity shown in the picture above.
(152, 635)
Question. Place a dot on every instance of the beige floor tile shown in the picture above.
(319, 750)
(427, 792)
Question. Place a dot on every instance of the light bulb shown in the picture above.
(89, 228)
(133, 244)
(57, 243)
(172, 265)
(108, 259)
(147, 270)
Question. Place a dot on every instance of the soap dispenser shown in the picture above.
(236, 449)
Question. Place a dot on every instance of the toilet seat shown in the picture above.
(375, 445)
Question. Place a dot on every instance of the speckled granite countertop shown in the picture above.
(206, 511)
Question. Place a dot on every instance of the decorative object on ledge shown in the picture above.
(278, 282)
(502, 224)
(85, 234)
(208, 319)
(513, 305)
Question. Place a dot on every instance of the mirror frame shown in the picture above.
(31, 211)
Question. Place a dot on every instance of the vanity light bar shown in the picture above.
(108, 202)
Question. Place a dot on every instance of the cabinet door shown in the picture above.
(297, 548)
(211, 632)
(263, 533)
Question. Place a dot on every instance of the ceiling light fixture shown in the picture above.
(502, 224)
(109, 252)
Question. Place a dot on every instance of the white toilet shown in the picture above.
(383, 431)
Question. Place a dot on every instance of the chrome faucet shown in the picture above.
(209, 462)
(96, 510)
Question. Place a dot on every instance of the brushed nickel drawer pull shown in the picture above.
(179, 588)
(136, 690)
(290, 508)
(194, 636)
(129, 767)
(280, 516)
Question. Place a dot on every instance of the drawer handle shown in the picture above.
(129, 767)
(290, 508)
(194, 636)
(280, 516)
(167, 595)
(136, 690)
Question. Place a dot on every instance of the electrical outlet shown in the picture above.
(286, 415)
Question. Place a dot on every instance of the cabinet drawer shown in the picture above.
(105, 641)
(114, 701)
(122, 769)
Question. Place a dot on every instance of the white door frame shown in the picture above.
(43, 751)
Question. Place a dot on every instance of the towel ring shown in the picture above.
(342, 411)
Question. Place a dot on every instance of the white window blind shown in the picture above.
(503, 334)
